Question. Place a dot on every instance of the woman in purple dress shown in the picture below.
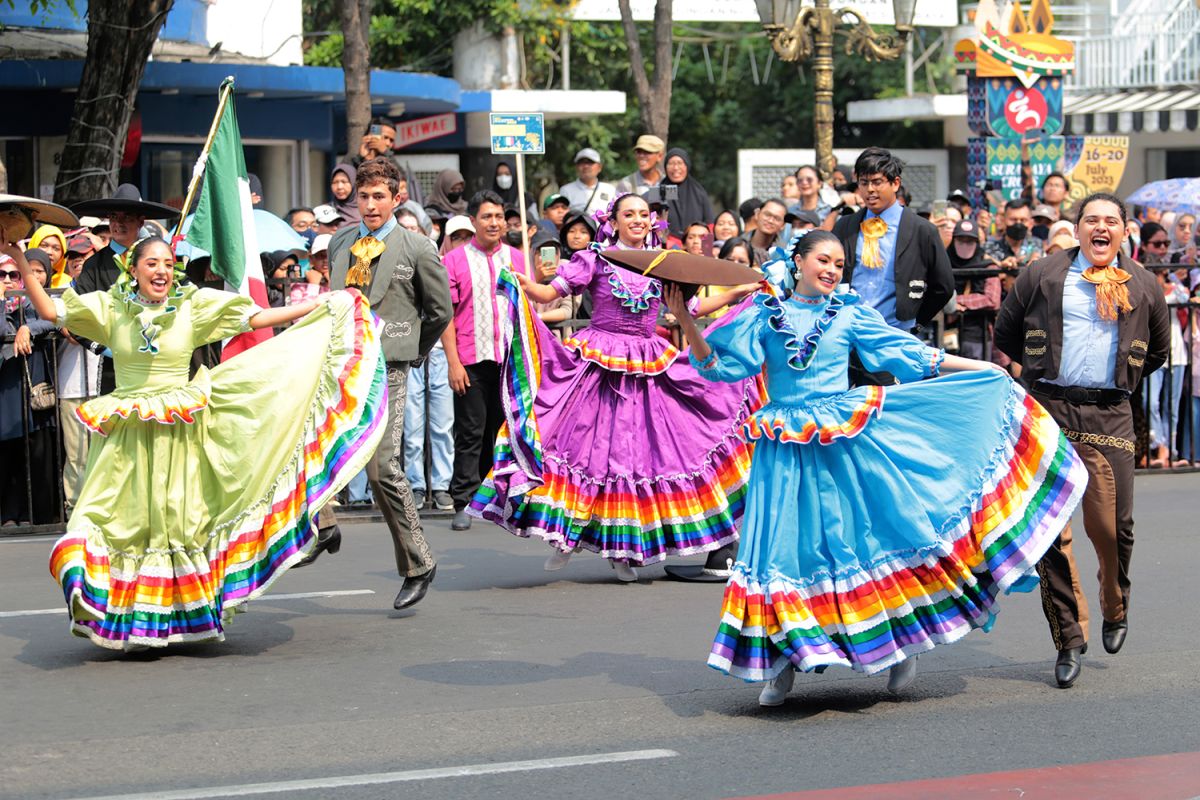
(613, 442)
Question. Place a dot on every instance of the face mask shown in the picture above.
(513, 238)
(309, 235)
(504, 181)
(1017, 232)
(1041, 232)
(453, 196)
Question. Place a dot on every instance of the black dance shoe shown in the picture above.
(414, 589)
(717, 567)
(1113, 635)
(328, 540)
(1068, 666)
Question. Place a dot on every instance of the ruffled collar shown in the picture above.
(637, 301)
(153, 318)
(802, 350)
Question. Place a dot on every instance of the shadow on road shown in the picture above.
(64, 651)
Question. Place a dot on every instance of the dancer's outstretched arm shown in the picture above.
(707, 305)
(678, 306)
(537, 292)
(274, 317)
(954, 363)
(42, 303)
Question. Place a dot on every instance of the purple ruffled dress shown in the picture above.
(613, 442)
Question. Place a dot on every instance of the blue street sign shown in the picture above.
(518, 133)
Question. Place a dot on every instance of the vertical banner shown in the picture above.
(1004, 167)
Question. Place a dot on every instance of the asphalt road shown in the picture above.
(511, 681)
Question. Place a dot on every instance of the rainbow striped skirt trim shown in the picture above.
(152, 558)
(906, 600)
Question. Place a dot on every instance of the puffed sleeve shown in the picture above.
(219, 315)
(574, 276)
(881, 347)
(737, 344)
(88, 314)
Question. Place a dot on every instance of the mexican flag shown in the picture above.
(224, 221)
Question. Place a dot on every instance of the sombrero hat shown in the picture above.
(689, 271)
(126, 200)
(35, 212)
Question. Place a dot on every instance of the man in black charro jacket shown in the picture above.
(894, 259)
(1085, 325)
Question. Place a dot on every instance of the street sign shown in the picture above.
(518, 133)
(423, 129)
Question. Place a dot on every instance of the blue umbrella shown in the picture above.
(1181, 195)
(272, 233)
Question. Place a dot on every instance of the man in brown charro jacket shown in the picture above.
(1085, 324)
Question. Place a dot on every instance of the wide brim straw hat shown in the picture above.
(40, 212)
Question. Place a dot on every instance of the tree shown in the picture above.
(120, 36)
(356, 65)
(654, 101)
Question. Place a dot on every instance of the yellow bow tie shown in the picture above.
(365, 250)
(873, 230)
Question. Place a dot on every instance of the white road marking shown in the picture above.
(34, 538)
(35, 612)
(377, 778)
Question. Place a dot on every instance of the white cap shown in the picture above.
(91, 222)
(326, 214)
(320, 244)
(459, 222)
(587, 154)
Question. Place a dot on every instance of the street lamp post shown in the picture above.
(806, 33)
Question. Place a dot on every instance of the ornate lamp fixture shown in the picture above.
(802, 33)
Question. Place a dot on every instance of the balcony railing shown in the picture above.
(1156, 48)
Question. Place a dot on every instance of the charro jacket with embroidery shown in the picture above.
(921, 267)
(409, 291)
(1029, 328)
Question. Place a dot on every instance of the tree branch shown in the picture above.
(640, 82)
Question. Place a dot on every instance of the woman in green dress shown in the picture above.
(200, 493)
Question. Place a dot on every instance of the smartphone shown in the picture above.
(547, 255)
(375, 130)
(938, 209)
(670, 192)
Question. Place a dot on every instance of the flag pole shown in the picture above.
(226, 92)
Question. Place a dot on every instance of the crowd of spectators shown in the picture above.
(44, 455)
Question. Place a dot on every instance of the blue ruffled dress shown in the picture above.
(880, 521)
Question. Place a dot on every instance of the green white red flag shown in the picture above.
(224, 221)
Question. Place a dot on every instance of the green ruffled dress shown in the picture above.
(200, 493)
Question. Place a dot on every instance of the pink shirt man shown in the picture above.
(472, 274)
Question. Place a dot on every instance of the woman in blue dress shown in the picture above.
(880, 521)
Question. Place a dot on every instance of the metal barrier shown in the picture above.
(20, 462)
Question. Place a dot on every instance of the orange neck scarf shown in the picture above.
(873, 230)
(1112, 295)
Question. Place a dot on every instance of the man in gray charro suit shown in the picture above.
(404, 280)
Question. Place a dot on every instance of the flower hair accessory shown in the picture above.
(606, 232)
